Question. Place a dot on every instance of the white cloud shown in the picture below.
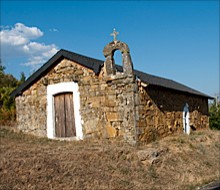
(40, 53)
(19, 35)
(5, 27)
(18, 41)
(53, 30)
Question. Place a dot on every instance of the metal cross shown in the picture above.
(114, 33)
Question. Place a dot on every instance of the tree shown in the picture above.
(8, 80)
(2, 68)
(7, 105)
(22, 78)
(214, 111)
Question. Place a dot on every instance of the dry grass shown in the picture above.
(178, 162)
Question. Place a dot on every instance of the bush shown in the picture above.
(7, 105)
(214, 111)
(7, 117)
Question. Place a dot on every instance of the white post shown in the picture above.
(186, 124)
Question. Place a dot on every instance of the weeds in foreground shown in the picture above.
(152, 172)
(39, 163)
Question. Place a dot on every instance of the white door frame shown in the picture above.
(63, 87)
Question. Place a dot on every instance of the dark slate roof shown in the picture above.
(88, 62)
(167, 83)
(96, 65)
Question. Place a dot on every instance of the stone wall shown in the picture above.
(112, 104)
(31, 110)
(108, 110)
(31, 106)
(161, 112)
(106, 102)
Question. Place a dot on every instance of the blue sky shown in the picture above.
(178, 40)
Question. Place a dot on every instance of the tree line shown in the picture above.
(8, 83)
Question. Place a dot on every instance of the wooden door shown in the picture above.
(64, 115)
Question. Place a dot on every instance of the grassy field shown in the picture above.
(177, 162)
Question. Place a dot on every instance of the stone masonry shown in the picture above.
(161, 112)
(112, 104)
(107, 101)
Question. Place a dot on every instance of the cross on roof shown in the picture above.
(114, 33)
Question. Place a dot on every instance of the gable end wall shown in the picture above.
(31, 106)
(106, 105)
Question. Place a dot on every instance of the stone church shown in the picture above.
(76, 97)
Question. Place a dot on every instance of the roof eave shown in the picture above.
(36, 75)
(52, 62)
(96, 66)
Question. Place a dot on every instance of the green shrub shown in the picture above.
(214, 111)
(7, 104)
